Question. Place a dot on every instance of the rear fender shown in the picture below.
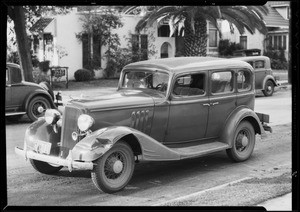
(39, 92)
(99, 142)
(240, 114)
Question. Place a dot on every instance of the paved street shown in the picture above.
(152, 183)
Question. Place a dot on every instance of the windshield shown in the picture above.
(139, 79)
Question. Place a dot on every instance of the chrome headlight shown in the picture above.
(84, 122)
(52, 116)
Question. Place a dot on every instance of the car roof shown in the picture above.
(13, 65)
(183, 64)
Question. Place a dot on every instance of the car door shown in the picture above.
(18, 89)
(188, 108)
(260, 73)
(222, 100)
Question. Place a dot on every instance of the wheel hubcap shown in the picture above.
(118, 166)
(269, 88)
(242, 141)
(114, 165)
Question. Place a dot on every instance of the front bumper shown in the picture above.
(68, 162)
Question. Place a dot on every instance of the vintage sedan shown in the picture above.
(264, 79)
(163, 110)
(23, 97)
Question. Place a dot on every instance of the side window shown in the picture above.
(189, 85)
(222, 82)
(16, 76)
(244, 80)
(259, 64)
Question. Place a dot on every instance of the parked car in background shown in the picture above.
(264, 78)
(23, 97)
(163, 110)
(247, 52)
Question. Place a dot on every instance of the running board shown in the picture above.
(14, 113)
(199, 150)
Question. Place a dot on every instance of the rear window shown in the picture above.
(16, 76)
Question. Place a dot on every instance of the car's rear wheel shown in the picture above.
(269, 88)
(35, 105)
(44, 167)
(244, 142)
(114, 169)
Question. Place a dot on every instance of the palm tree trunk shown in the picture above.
(18, 16)
(195, 43)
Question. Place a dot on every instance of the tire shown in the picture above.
(44, 167)
(239, 151)
(32, 109)
(269, 88)
(114, 169)
(14, 118)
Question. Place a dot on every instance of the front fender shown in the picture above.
(99, 142)
(269, 77)
(240, 114)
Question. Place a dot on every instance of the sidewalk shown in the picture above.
(283, 203)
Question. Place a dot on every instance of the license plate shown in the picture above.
(42, 147)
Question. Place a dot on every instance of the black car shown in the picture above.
(23, 97)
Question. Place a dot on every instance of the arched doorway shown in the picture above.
(165, 50)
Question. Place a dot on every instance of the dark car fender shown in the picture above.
(99, 142)
(238, 115)
(38, 92)
(269, 77)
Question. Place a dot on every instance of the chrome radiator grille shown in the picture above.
(69, 125)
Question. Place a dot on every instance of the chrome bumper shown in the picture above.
(68, 162)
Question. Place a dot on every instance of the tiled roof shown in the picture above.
(274, 19)
(41, 24)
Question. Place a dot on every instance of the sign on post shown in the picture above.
(57, 73)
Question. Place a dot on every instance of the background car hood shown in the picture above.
(129, 98)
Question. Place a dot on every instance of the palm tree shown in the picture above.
(190, 21)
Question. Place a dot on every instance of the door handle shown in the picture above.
(206, 104)
(215, 103)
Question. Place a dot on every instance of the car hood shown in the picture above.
(128, 98)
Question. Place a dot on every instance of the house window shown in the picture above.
(140, 47)
(212, 35)
(284, 42)
(163, 31)
(35, 44)
(243, 41)
(164, 50)
(91, 51)
(279, 42)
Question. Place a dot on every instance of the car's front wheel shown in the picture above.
(269, 88)
(244, 142)
(114, 169)
(35, 105)
(44, 167)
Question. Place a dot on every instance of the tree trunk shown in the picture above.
(195, 43)
(22, 41)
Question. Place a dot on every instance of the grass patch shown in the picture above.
(246, 193)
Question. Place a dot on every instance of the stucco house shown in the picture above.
(56, 39)
(277, 22)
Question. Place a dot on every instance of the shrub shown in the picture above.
(226, 48)
(83, 75)
(44, 66)
(39, 76)
(278, 60)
